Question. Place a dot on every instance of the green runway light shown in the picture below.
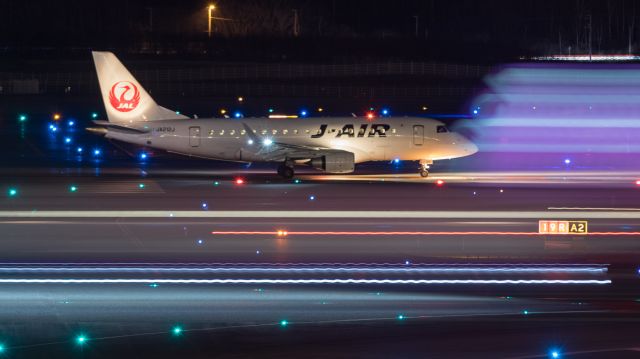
(22, 118)
(141, 186)
(525, 312)
(177, 330)
(296, 181)
(12, 192)
(94, 115)
(400, 317)
(2, 348)
(73, 188)
(81, 339)
(284, 323)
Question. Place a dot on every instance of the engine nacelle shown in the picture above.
(339, 162)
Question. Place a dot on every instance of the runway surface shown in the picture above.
(176, 258)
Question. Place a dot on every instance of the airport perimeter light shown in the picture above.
(210, 18)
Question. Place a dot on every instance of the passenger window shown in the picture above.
(211, 132)
(232, 132)
(393, 130)
(441, 129)
(295, 132)
(264, 132)
(284, 132)
(306, 131)
(275, 132)
(243, 132)
(221, 132)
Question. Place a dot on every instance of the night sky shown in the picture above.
(499, 26)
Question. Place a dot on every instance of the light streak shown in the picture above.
(323, 214)
(285, 269)
(301, 281)
(470, 233)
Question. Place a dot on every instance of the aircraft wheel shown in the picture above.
(286, 172)
(424, 173)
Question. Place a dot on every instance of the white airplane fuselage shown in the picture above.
(379, 139)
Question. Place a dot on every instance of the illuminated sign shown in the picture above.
(562, 227)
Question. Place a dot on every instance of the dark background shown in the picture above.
(327, 30)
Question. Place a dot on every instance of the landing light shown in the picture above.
(267, 142)
(567, 161)
(250, 142)
(312, 198)
(282, 233)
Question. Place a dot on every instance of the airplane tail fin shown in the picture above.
(125, 100)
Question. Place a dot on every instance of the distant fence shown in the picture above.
(260, 79)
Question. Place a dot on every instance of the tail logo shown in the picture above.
(124, 96)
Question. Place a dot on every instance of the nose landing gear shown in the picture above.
(424, 168)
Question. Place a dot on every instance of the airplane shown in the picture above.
(329, 144)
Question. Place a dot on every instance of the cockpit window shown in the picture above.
(442, 129)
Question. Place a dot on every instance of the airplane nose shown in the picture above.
(470, 147)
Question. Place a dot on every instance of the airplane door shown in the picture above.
(418, 135)
(194, 136)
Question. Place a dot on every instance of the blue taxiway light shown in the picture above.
(97, 152)
(204, 205)
(143, 156)
(79, 150)
(385, 111)
(67, 140)
(567, 161)
(237, 115)
(303, 113)
(53, 128)
(71, 122)
(555, 354)
(396, 160)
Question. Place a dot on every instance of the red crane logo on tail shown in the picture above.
(124, 96)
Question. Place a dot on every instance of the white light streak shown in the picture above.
(303, 281)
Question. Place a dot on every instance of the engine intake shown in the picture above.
(340, 162)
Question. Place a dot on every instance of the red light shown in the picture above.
(439, 183)
(370, 115)
(239, 181)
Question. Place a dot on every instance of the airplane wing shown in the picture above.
(280, 151)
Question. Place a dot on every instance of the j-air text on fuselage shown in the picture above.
(330, 144)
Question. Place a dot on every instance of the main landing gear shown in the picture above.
(424, 168)
(285, 170)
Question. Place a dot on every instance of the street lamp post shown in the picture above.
(211, 8)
